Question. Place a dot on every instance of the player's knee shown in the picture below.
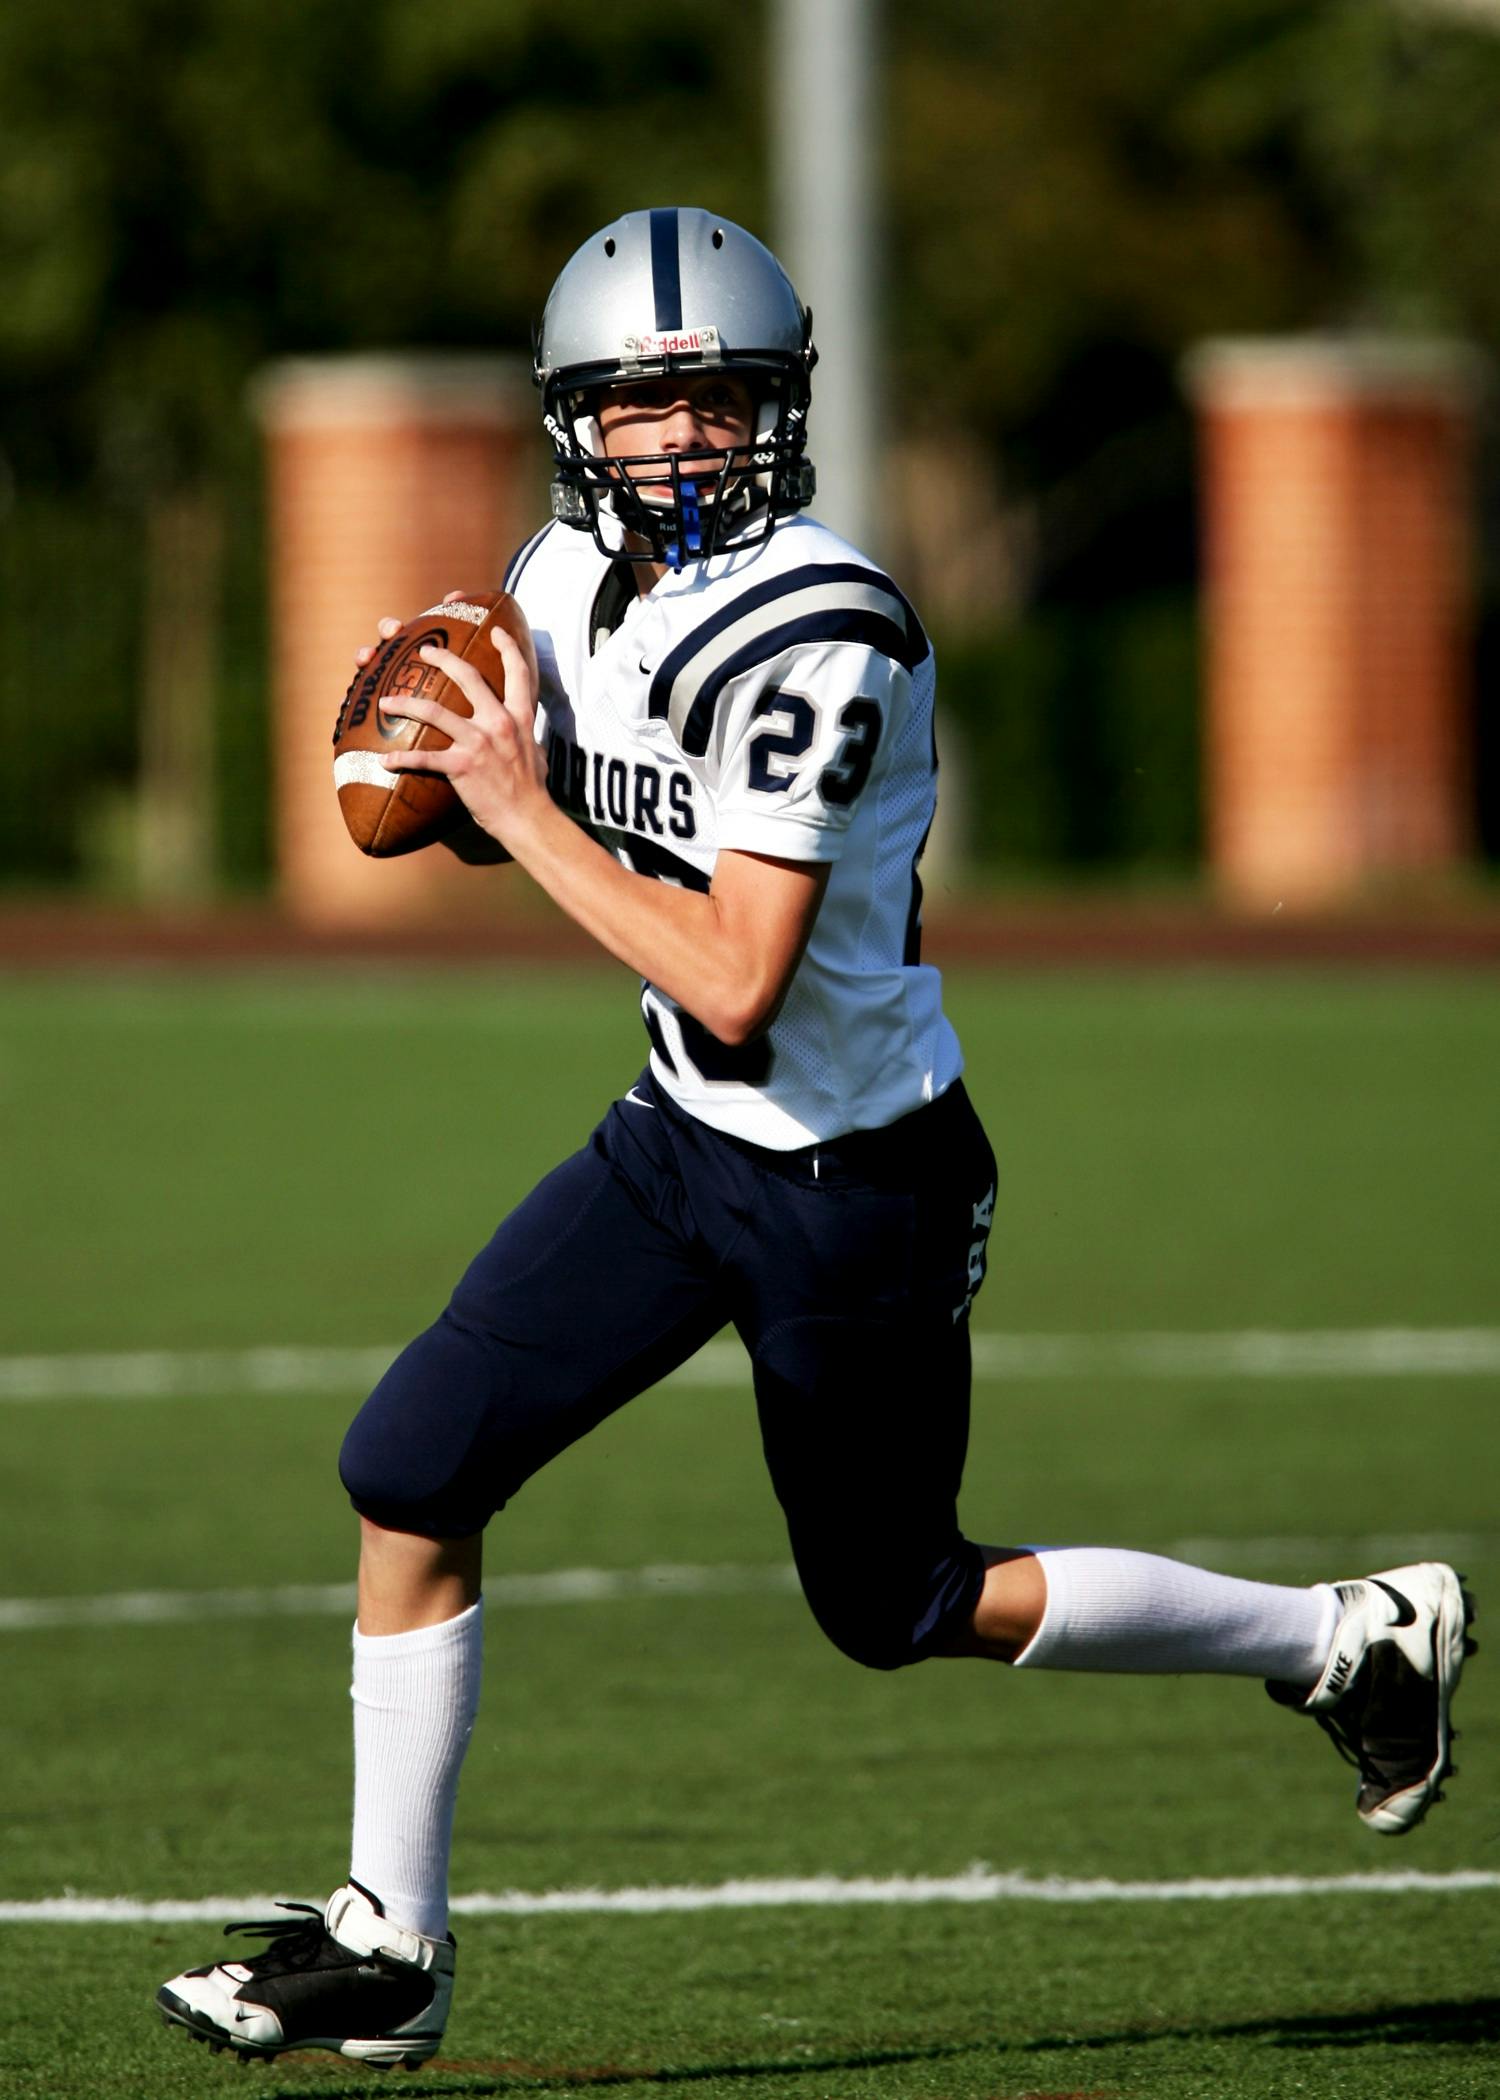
(370, 1470)
(882, 1611)
(406, 1461)
(871, 1651)
(867, 1630)
(395, 1498)
(375, 1480)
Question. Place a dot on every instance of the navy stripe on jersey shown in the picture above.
(521, 557)
(775, 615)
(666, 271)
(911, 952)
(647, 858)
(832, 626)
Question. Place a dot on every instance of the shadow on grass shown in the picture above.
(1467, 2021)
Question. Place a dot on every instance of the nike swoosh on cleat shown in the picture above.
(1405, 1610)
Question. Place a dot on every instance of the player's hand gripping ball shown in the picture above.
(389, 813)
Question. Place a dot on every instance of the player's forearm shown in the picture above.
(678, 938)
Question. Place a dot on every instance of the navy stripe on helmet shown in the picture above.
(666, 271)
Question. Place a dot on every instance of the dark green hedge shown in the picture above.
(72, 597)
(1079, 727)
(71, 581)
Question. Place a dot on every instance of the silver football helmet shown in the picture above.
(675, 290)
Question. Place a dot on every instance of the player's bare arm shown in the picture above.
(728, 956)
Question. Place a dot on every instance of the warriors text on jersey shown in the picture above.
(777, 701)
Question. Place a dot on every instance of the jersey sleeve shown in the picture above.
(799, 739)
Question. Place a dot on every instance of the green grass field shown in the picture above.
(232, 1164)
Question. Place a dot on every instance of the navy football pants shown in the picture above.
(847, 1270)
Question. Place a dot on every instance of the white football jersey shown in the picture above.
(776, 701)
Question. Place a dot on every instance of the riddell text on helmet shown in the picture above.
(679, 342)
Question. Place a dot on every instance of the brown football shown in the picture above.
(390, 813)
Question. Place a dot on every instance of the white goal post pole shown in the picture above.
(822, 95)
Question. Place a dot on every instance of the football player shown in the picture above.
(725, 772)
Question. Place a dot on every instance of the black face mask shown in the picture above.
(712, 502)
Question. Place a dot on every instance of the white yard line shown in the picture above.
(978, 1885)
(1342, 1555)
(1268, 1353)
(191, 1374)
(336, 1599)
(1265, 1354)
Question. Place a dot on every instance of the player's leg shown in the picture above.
(867, 1488)
(865, 1421)
(1376, 1660)
(408, 1581)
(856, 1277)
(589, 1292)
(418, 1652)
(1112, 1609)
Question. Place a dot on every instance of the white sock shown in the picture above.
(1112, 1610)
(415, 1697)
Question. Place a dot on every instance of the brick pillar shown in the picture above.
(391, 480)
(1337, 522)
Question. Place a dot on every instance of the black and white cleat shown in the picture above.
(345, 1979)
(1386, 1690)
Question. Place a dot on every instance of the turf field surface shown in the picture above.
(287, 1162)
